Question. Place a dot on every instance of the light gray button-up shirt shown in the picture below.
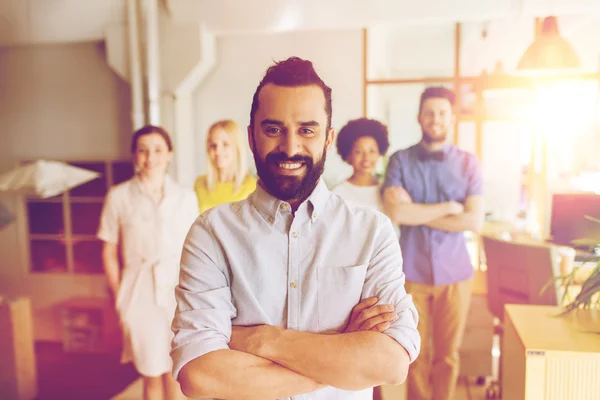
(254, 262)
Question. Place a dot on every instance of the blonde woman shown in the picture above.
(227, 179)
(147, 217)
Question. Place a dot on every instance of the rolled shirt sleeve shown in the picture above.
(385, 279)
(393, 172)
(202, 322)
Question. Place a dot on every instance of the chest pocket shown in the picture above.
(339, 290)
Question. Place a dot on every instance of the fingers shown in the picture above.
(366, 316)
(380, 319)
(363, 305)
(381, 327)
(372, 312)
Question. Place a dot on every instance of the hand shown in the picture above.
(455, 208)
(366, 316)
(396, 195)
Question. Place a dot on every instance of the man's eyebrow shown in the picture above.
(275, 122)
(271, 122)
(309, 123)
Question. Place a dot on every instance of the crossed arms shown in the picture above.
(447, 216)
(270, 362)
(212, 358)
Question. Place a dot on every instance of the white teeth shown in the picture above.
(290, 166)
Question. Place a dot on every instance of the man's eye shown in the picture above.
(273, 130)
(307, 131)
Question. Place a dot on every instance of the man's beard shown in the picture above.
(429, 139)
(289, 187)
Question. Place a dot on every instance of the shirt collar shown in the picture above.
(170, 186)
(268, 205)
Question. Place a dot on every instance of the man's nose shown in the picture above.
(290, 145)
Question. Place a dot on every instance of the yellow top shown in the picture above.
(223, 192)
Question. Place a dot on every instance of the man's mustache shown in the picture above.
(276, 158)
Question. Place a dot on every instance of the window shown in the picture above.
(61, 231)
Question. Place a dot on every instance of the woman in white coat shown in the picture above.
(148, 217)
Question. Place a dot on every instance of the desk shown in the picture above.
(545, 357)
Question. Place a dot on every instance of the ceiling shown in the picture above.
(58, 21)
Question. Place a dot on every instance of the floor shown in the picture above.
(80, 376)
(467, 389)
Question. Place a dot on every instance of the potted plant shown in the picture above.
(584, 308)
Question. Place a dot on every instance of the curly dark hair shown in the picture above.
(358, 128)
(292, 72)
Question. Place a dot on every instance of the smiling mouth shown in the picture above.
(290, 168)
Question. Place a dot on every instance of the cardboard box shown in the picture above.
(18, 371)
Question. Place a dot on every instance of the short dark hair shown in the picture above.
(291, 73)
(437, 92)
(362, 127)
(147, 130)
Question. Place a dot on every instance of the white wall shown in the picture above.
(56, 102)
(242, 62)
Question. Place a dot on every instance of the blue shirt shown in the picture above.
(433, 256)
(254, 262)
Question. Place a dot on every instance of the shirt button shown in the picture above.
(271, 219)
(293, 285)
(284, 206)
(294, 235)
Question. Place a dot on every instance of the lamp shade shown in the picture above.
(44, 178)
(549, 52)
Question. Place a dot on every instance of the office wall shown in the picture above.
(56, 102)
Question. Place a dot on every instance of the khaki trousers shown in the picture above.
(443, 314)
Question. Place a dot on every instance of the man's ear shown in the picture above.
(250, 139)
(330, 138)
